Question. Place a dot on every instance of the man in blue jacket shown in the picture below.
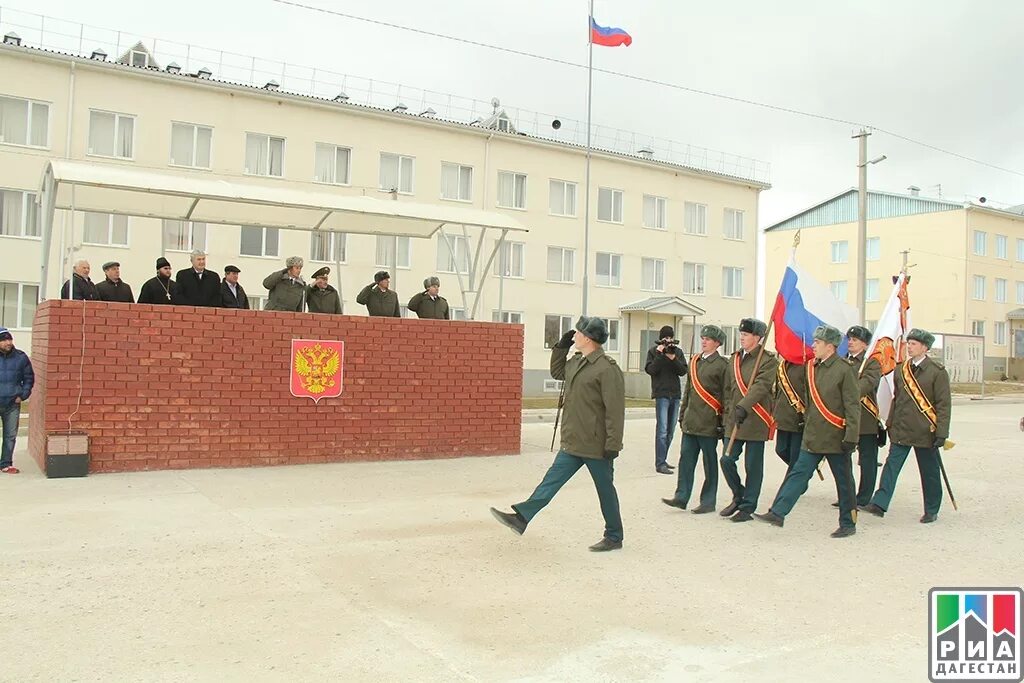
(16, 380)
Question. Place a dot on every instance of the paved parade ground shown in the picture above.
(396, 571)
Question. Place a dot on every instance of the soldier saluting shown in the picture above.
(918, 418)
(701, 422)
(830, 431)
(872, 434)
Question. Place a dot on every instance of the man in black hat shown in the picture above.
(665, 364)
(872, 432)
(429, 303)
(80, 286)
(160, 289)
(113, 288)
(198, 286)
(379, 298)
(321, 297)
(232, 295)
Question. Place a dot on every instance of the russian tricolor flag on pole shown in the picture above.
(802, 305)
(608, 36)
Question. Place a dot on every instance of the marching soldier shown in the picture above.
(322, 297)
(919, 418)
(748, 406)
(701, 422)
(790, 388)
(831, 429)
(872, 434)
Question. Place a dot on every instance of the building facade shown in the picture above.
(966, 262)
(658, 230)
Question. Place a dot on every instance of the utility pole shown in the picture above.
(862, 221)
(906, 257)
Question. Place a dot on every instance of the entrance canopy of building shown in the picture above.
(658, 306)
(116, 189)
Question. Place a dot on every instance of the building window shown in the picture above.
(655, 212)
(732, 339)
(732, 282)
(512, 317)
(1001, 246)
(979, 287)
(1020, 250)
(979, 242)
(838, 288)
(978, 328)
(1000, 291)
(999, 333)
(511, 190)
(511, 259)
(694, 278)
(184, 236)
(840, 252)
(609, 269)
(393, 252)
(733, 224)
(24, 122)
(328, 247)
(257, 303)
(871, 289)
(191, 145)
(257, 241)
(552, 386)
(111, 135)
(612, 345)
(452, 254)
(457, 314)
(695, 218)
(106, 229)
(871, 324)
(396, 173)
(561, 264)
(554, 327)
(18, 304)
(457, 182)
(652, 274)
(1020, 293)
(563, 198)
(609, 205)
(264, 155)
(874, 249)
(18, 214)
(331, 164)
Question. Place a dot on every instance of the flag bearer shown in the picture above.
(872, 433)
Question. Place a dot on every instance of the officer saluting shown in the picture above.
(701, 422)
(790, 390)
(919, 418)
(872, 433)
(830, 431)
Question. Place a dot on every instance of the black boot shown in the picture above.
(771, 518)
(512, 520)
(742, 516)
(874, 509)
(703, 509)
(730, 509)
(605, 544)
(844, 531)
(928, 518)
(672, 502)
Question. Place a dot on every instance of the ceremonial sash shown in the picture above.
(765, 416)
(830, 417)
(787, 388)
(915, 391)
(867, 401)
(704, 394)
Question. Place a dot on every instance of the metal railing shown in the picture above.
(49, 33)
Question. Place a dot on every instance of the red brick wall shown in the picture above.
(180, 387)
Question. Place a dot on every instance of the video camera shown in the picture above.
(670, 346)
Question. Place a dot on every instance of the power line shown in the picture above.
(650, 81)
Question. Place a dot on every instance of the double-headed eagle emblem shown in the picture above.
(317, 368)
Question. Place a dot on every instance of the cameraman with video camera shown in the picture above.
(666, 363)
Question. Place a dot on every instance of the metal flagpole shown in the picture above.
(586, 192)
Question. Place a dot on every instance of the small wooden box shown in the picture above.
(67, 454)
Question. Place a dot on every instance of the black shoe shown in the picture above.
(510, 519)
(604, 545)
(928, 518)
(664, 469)
(771, 518)
(742, 516)
(874, 509)
(730, 509)
(835, 504)
(703, 509)
(672, 502)
(844, 531)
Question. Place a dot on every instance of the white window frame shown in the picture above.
(257, 302)
(979, 287)
(572, 265)
(840, 250)
(615, 195)
(145, 58)
(269, 139)
(611, 346)
(614, 265)
(22, 324)
(110, 231)
(700, 288)
(873, 250)
(552, 386)
(118, 122)
(195, 145)
(978, 328)
(335, 241)
(402, 244)
(840, 286)
(870, 295)
(565, 324)
(516, 177)
(660, 212)
(191, 225)
(263, 242)
(28, 199)
(1002, 247)
(30, 105)
(737, 226)
(1001, 287)
(509, 255)
(400, 161)
(460, 169)
(659, 265)
(727, 273)
(333, 150)
(999, 333)
(695, 218)
(566, 185)
(458, 314)
(1020, 293)
(1020, 250)
(507, 317)
(457, 258)
(980, 240)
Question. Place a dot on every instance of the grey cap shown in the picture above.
(293, 261)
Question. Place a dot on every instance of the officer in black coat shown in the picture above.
(113, 288)
(198, 286)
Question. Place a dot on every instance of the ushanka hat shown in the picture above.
(923, 336)
(713, 332)
(828, 334)
(594, 328)
(753, 326)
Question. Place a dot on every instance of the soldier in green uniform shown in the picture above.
(379, 298)
(322, 297)
(286, 287)
(831, 429)
(701, 422)
(869, 374)
(748, 405)
(919, 418)
(593, 417)
(429, 303)
(790, 389)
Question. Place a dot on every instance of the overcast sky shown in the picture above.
(943, 72)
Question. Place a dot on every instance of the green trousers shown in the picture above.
(927, 465)
(795, 484)
(693, 446)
